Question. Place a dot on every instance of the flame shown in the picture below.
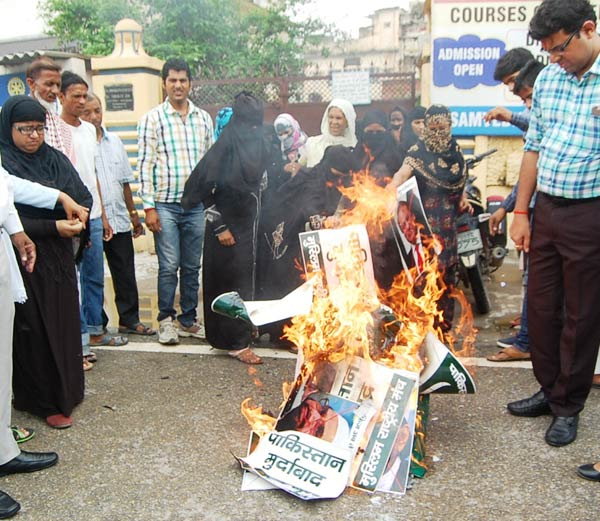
(345, 322)
(261, 422)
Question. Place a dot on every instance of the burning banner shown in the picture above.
(365, 355)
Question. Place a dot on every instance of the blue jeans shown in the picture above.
(179, 249)
(91, 273)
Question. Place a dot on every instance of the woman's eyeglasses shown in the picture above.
(30, 129)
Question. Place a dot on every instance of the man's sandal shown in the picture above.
(22, 434)
(137, 329)
(247, 356)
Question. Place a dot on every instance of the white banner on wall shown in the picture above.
(468, 38)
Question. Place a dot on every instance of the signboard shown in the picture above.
(352, 86)
(119, 97)
(468, 39)
(12, 85)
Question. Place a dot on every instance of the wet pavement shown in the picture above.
(154, 439)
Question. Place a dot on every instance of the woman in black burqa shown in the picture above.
(48, 375)
(308, 197)
(376, 150)
(229, 181)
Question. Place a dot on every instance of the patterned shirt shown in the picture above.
(113, 171)
(565, 130)
(169, 149)
(58, 135)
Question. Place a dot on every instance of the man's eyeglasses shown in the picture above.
(30, 129)
(559, 49)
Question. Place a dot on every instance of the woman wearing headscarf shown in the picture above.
(376, 150)
(292, 140)
(48, 375)
(337, 128)
(398, 123)
(221, 121)
(229, 181)
(309, 197)
(413, 127)
(438, 165)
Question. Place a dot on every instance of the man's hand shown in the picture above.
(520, 232)
(226, 238)
(138, 229)
(495, 220)
(153, 220)
(498, 114)
(69, 228)
(72, 209)
(107, 231)
(26, 249)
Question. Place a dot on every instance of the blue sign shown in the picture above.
(466, 62)
(11, 85)
(468, 121)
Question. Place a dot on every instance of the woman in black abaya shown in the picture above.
(48, 375)
(229, 181)
(308, 197)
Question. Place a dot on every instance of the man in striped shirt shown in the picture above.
(172, 138)
(562, 160)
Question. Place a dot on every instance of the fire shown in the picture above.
(353, 315)
(260, 422)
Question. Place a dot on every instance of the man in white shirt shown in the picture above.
(73, 97)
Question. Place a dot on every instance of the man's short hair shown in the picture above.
(511, 62)
(41, 64)
(175, 64)
(69, 79)
(528, 75)
(554, 15)
(93, 97)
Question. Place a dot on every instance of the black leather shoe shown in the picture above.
(29, 462)
(588, 472)
(8, 506)
(536, 405)
(562, 430)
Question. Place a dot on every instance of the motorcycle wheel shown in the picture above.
(482, 302)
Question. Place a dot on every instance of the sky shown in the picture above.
(349, 15)
(18, 18)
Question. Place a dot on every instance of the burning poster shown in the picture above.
(410, 226)
(355, 411)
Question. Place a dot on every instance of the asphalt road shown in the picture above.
(154, 439)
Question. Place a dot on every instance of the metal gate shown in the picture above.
(303, 97)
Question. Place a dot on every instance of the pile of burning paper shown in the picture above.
(366, 360)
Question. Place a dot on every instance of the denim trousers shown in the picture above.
(179, 249)
(522, 342)
(91, 273)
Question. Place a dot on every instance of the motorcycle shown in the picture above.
(479, 252)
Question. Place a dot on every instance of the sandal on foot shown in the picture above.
(509, 354)
(91, 357)
(112, 341)
(247, 356)
(137, 329)
(22, 434)
(87, 365)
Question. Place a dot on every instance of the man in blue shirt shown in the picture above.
(562, 161)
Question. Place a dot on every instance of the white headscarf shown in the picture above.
(315, 146)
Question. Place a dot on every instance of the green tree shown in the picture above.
(219, 38)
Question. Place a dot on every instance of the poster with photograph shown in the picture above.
(410, 227)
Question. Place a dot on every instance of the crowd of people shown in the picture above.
(225, 203)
